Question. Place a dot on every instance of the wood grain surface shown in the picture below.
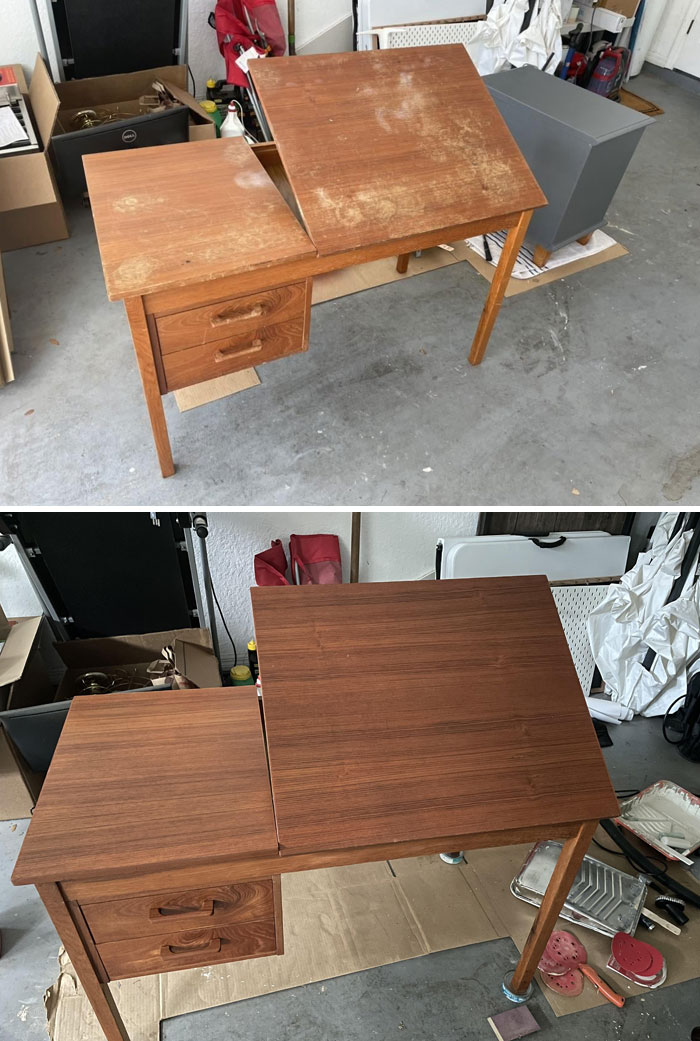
(174, 950)
(378, 145)
(141, 780)
(400, 711)
(174, 215)
(153, 913)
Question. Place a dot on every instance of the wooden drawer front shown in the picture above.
(202, 908)
(243, 314)
(185, 368)
(187, 950)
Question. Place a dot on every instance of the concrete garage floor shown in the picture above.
(441, 996)
(587, 394)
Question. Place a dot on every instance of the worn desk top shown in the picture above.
(410, 710)
(144, 780)
(175, 215)
(379, 145)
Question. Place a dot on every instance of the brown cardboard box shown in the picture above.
(31, 211)
(120, 93)
(23, 681)
(194, 657)
(628, 8)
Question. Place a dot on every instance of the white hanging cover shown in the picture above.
(498, 42)
(635, 617)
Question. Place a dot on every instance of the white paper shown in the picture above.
(525, 266)
(246, 57)
(11, 130)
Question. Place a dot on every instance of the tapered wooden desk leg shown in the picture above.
(402, 263)
(585, 239)
(98, 993)
(509, 255)
(557, 891)
(149, 378)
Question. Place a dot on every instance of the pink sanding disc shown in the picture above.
(562, 953)
(636, 957)
(570, 985)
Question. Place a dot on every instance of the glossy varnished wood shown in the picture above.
(154, 912)
(140, 781)
(362, 750)
(173, 950)
(378, 145)
(192, 212)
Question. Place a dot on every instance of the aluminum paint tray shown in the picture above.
(602, 898)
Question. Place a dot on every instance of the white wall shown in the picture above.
(321, 25)
(393, 546)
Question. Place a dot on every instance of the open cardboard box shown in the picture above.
(194, 657)
(120, 94)
(31, 211)
(24, 681)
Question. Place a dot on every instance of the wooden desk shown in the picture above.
(154, 845)
(380, 153)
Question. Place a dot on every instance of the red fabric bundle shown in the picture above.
(232, 29)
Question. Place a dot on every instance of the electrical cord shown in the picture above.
(223, 622)
(194, 86)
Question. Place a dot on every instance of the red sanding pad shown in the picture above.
(562, 953)
(569, 985)
(636, 957)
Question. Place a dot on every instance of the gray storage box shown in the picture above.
(577, 144)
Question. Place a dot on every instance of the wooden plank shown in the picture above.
(187, 213)
(6, 348)
(94, 888)
(308, 267)
(362, 752)
(141, 781)
(379, 145)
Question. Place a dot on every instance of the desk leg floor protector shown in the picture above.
(343, 920)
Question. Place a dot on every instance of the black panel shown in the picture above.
(113, 573)
(104, 37)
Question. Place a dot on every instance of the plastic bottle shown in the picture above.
(232, 126)
(253, 658)
(241, 676)
(210, 107)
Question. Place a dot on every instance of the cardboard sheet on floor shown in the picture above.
(494, 869)
(213, 390)
(343, 920)
(336, 921)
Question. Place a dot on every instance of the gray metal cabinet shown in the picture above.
(577, 144)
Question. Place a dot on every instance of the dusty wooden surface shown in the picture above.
(180, 214)
(151, 779)
(378, 145)
(399, 711)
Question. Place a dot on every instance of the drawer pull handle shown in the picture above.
(204, 910)
(212, 947)
(236, 316)
(232, 352)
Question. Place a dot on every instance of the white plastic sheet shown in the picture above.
(498, 42)
(635, 617)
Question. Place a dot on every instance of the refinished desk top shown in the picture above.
(378, 145)
(144, 780)
(175, 215)
(410, 710)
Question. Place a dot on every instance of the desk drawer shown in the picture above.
(155, 913)
(168, 951)
(205, 362)
(242, 314)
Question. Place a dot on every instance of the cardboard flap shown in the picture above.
(125, 650)
(17, 648)
(25, 181)
(199, 114)
(197, 663)
(4, 621)
(122, 86)
(44, 100)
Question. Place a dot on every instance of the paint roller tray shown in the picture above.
(602, 898)
(664, 809)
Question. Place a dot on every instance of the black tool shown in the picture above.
(643, 863)
(674, 906)
(487, 250)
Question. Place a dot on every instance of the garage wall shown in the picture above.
(393, 546)
(16, 594)
(321, 25)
